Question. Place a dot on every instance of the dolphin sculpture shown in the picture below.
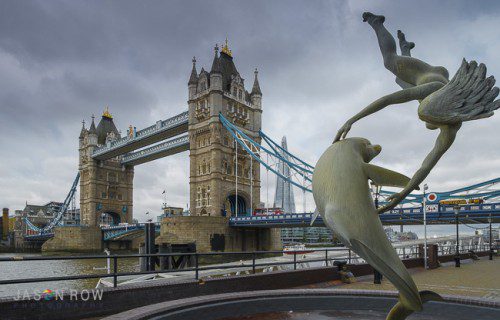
(342, 195)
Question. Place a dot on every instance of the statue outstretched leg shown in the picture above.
(404, 45)
(386, 41)
(405, 48)
(410, 70)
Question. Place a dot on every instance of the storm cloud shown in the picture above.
(62, 61)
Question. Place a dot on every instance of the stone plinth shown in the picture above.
(214, 234)
(74, 239)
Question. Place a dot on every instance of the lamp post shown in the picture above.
(491, 240)
(456, 208)
(425, 227)
(377, 277)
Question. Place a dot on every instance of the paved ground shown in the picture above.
(474, 279)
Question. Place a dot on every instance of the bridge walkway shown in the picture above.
(155, 133)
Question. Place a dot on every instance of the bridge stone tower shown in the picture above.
(105, 185)
(214, 170)
(221, 184)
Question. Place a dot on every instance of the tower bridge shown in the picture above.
(222, 129)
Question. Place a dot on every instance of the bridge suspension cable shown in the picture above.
(60, 213)
(300, 171)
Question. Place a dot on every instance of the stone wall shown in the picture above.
(214, 234)
(74, 239)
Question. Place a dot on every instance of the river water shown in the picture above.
(39, 269)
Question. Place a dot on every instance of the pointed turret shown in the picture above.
(216, 62)
(83, 131)
(105, 127)
(256, 94)
(92, 129)
(92, 136)
(193, 79)
(216, 71)
(256, 87)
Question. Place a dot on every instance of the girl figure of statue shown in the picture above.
(444, 104)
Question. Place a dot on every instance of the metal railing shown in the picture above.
(254, 265)
(297, 261)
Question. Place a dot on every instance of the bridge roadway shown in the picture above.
(160, 131)
(469, 214)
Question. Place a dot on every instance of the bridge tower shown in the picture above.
(105, 185)
(220, 184)
(224, 181)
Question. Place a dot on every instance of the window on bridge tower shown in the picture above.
(111, 177)
(208, 195)
(103, 195)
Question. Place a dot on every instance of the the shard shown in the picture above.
(283, 198)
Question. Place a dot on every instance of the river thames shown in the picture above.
(55, 268)
(39, 269)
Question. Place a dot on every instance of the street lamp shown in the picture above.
(491, 239)
(377, 277)
(425, 227)
(375, 190)
(456, 208)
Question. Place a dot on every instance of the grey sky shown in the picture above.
(62, 61)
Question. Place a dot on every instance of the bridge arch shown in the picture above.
(110, 218)
(242, 201)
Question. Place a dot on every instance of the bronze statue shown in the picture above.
(342, 195)
(444, 104)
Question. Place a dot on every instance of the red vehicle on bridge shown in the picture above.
(267, 211)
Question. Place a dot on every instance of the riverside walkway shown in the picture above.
(479, 278)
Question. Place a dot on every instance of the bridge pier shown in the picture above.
(211, 233)
(74, 239)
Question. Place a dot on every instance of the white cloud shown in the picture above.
(319, 64)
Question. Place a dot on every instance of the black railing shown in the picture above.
(349, 257)
(114, 273)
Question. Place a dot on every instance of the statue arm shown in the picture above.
(402, 96)
(444, 141)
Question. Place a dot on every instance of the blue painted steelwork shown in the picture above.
(60, 214)
(115, 232)
(142, 137)
(256, 150)
(470, 214)
(479, 190)
(170, 146)
(276, 145)
(39, 237)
